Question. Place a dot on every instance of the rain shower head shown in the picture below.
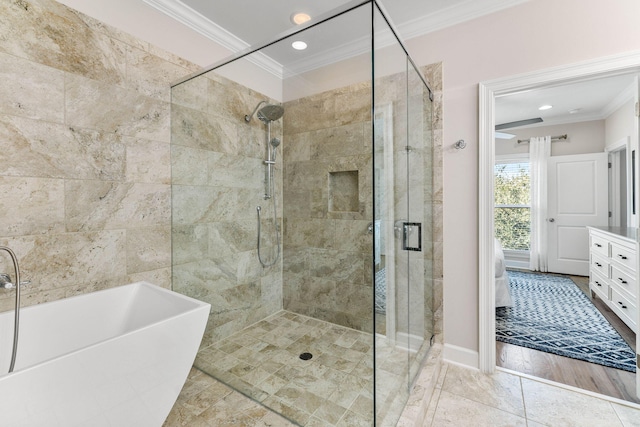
(268, 113)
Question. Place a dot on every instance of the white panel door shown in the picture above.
(577, 197)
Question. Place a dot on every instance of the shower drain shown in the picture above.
(306, 356)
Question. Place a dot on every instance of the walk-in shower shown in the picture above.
(346, 157)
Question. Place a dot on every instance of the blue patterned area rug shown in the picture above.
(551, 314)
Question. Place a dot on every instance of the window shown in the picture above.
(513, 204)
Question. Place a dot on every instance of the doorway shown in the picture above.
(617, 65)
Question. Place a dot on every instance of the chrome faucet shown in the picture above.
(6, 283)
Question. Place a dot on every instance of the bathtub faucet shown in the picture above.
(5, 280)
(6, 283)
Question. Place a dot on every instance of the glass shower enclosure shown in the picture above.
(301, 188)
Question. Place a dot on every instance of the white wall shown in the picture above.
(583, 137)
(535, 35)
(620, 124)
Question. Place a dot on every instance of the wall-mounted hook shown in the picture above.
(460, 144)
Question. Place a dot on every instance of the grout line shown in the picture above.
(570, 388)
(524, 402)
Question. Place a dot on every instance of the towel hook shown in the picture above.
(460, 144)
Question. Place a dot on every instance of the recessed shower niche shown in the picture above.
(344, 195)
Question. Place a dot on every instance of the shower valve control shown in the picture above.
(6, 283)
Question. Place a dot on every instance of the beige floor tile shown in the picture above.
(499, 390)
(558, 407)
(431, 409)
(629, 416)
(456, 411)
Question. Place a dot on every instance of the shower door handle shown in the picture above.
(407, 231)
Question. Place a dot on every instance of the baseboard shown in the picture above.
(520, 265)
(414, 341)
(460, 356)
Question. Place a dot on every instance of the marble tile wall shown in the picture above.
(218, 181)
(327, 254)
(85, 160)
(433, 199)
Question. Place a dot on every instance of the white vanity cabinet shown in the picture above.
(612, 270)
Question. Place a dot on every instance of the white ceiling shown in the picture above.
(595, 99)
(238, 24)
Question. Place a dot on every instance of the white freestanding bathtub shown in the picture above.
(117, 357)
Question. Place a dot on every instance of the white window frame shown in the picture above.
(514, 258)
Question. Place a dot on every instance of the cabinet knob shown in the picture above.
(598, 264)
(598, 245)
(622, 256)
(624, 282)
(598, 283)
(621, 304)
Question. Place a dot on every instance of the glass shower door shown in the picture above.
(417, 232)
(402, 223)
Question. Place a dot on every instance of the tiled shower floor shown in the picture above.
(333, 388)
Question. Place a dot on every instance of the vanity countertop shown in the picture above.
(628, 233)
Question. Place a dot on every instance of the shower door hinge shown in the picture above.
(637, 109)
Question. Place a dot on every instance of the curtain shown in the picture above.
(539, 153)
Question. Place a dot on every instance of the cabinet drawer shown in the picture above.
(624, 281)
(624, 256)
(599, 285)
(600, 265)
(624, 308)
(599, 245)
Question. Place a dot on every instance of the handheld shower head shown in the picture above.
(275, 142)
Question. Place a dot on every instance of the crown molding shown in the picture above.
(449, 16)
(622, 98)
(453, 15)
(204, 26)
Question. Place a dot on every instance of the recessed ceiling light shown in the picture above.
(299, 45)
(300, 18)
(545, 107)
(504, 135)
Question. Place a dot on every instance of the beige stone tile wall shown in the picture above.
(434, 199)
(218, 181)
(327, 254)
(84, 166)
(85, 173)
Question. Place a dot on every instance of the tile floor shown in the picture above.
(333, 388)
(461, 397)
(466, 397)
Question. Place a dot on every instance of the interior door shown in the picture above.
(577, 197)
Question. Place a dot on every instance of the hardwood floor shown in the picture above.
(588, 376)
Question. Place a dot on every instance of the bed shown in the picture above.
(503, 296)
